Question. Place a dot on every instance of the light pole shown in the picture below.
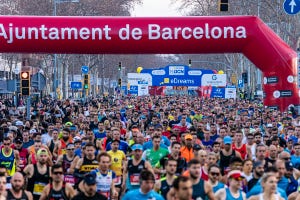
(55, 55)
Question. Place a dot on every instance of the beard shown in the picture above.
(65, 138)
(193, 176)
(16, 188)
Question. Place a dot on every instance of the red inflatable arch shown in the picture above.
(180, 35)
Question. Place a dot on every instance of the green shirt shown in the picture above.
(154, 156)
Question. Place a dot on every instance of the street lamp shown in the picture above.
(55, 55)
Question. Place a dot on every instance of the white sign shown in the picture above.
(159, 72)
(134, 78)
(215, 80)
(230, 93)
(176, 70)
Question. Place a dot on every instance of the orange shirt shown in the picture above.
(186, 153)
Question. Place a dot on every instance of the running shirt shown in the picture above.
(8, 161)
(154, 156)
(133, 181)
(37, 182)
(165, 187)
(88, 165)
(230, 197)
(116, 161)
(58, 195)
(10, 196)
(198, 191)
(104, 181)
(138, 195)
(225, 161)
(242, 150)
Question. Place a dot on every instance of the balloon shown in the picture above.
(215, 71)
(220, 72)
(139, 69)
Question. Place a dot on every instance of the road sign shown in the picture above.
(240, 83)
(85, 69)
(76, 85)
(291, 7)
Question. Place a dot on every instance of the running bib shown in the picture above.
(69, 179)
(118, 180)
(38, 188)
(134, 179)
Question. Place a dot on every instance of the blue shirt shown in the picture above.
(138, 195)
(257, 189)
(218, 186)
(296, 161)
(283, 183)
(123, 146)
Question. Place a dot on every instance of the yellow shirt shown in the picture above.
(116, 161)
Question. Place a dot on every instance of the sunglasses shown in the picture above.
(6, 144)
(71, 149)
(215, 174)
(58, 173)
(288, 158)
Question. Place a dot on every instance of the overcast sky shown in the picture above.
(155, 8)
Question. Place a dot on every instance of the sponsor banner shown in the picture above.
(214, 80)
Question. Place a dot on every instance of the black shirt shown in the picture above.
(82, 196)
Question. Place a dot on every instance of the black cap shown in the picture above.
(289, 166)
(90, 179)
(18, 140)
(197, 147)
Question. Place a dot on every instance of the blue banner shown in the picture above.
(217, 92)
(176, 75)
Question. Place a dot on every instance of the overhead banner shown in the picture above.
(161, 35)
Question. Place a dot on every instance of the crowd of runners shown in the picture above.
(149, 148)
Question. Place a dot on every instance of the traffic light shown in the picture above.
(25, 83)
(223, 5)
(120, 66)
(86, 82)
(119, 82)
(190, 62)
(245, 77)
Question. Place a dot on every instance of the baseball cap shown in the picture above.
(197, 147)
(269, 125)
(18, 140)
(289, 166)
(69, 124)
(227, 140)
(90, 179)
(19, 123)
(42, 151)
(188, 137)
(137, 147)
(235, 174)
(257, 164)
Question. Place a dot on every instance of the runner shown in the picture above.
(234, 191)
(9, 157)
(201, 189)
(105, 177)
(57, 189)
(118, 159)
(146, 192)
(133, 167)
(269, 184)
(163, 185)
(17, 191)
(38, 175)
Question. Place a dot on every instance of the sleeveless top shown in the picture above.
(66, 164)
(262, 198)
(37, 182)
(104, 182)
(242, 150)
(57, 195)
(88, 165)
(134, 172)
(8, 161)
(165, 187)
(225, 161)
(10, 196)
(198, 191)
(230, 197)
